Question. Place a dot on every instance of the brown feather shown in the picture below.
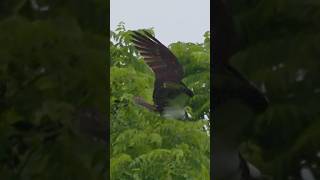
(164, 63)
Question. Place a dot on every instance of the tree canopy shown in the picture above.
(145, 145)
(279, 51)
(52, 79)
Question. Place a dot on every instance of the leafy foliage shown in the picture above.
(280, 53)
(143, 144)
(52, 76)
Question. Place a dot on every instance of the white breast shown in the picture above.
(174, 112)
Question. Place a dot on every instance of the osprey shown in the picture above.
(170, 94)
(235, 99)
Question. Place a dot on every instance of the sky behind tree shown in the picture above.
(172, 20)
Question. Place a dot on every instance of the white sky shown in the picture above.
(172, 20)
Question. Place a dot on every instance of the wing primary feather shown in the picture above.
(152, 37)
(145, 49)
(143, 41)
(143, 38)
(147, 54)
(138, 43)
(157, 56)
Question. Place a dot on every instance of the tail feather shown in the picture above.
(140, 101)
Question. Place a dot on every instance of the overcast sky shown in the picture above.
(172, 20)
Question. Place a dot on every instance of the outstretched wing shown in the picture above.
(158, 57)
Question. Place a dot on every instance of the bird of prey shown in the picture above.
(170, 94)
(235, 100)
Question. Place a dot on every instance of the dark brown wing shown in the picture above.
(158, 57)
